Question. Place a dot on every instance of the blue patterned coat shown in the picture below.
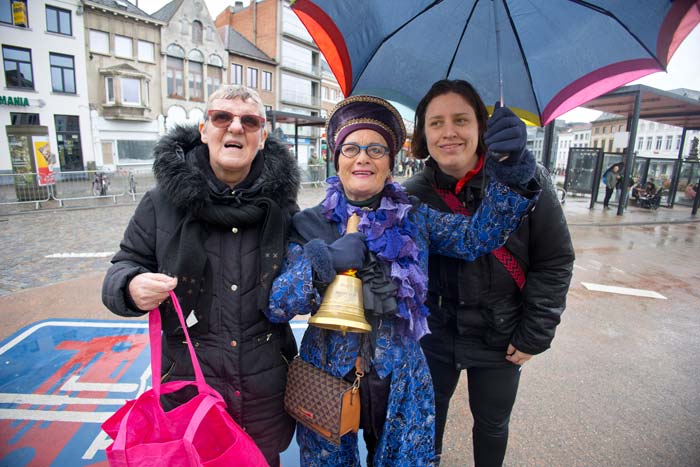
(407, 438)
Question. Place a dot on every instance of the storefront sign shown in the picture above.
(14, 101)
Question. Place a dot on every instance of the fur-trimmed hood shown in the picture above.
(184, 183)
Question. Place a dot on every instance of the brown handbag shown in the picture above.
(327, 405)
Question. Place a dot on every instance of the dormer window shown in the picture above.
(196, 32)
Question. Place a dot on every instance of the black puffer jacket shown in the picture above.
(476, 308)
(242, 354)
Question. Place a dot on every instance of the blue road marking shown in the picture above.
(60, 379)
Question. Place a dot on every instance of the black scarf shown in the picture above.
(185, 254)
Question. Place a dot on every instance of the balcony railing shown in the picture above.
(296, 97)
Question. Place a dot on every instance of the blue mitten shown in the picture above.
(505, 135)
(508, 161)
(348, 252)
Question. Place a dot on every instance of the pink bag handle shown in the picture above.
(154, 332)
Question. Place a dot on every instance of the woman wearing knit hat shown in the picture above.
(390, 252)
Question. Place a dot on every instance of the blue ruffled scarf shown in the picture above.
(390, 235)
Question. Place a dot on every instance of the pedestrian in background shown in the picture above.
(489, 316)
(314, 165)
(214, 230)
(611, 178)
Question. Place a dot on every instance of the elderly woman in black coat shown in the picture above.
(214, 230)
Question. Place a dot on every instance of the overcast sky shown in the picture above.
(683, 71)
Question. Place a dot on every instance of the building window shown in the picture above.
(131, 91)
(216, 60)
(62, 73)
(678, 143)
(649, 139)
(595, 132)
(252, 77)
(18, 67)
(267, 81)
(14, 12)
(213, 79)
(174, 77)
(236, 74)
(109, 90)
(195, 81)
(658, 143)
(268, 108)
(21, 118)
(123, 46)
(58, 21)
(196, 32)
(669, 142)
(640, 143)
(146, 51)
(175, 51)
(99, 42)
(70, 154)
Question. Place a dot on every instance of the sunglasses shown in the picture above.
(222, 119)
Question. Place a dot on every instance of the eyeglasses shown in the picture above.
(222, 119)
(374, 151)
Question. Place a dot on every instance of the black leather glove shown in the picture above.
(505, 135)
(348, 252)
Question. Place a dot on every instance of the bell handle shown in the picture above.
(351, 227)
(353, 222)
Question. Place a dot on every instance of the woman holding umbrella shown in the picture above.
(390, 252)
(489, 316)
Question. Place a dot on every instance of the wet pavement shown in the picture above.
(620, 387)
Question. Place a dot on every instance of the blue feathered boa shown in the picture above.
(390, 235)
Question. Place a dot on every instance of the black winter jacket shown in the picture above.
(242, 354)
(476, 308)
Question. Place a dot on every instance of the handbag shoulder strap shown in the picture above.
(154, 332)
(502, 254)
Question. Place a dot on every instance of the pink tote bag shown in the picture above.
(197, 433)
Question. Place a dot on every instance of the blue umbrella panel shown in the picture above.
(554, 55)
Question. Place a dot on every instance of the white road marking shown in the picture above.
(622, 290)
(576, 266)
(54, 416)
(74, 385)
(49, 399)
(99, 254)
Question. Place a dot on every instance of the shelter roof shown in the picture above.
(297, 119)
(679, 108)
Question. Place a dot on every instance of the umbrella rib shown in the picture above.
(605, 12)
(389, 36)
(524, 57)
(459, 43)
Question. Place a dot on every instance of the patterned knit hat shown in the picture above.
(365, 112)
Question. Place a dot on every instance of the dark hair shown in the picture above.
(419, 146)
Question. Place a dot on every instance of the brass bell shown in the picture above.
(342, 308)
